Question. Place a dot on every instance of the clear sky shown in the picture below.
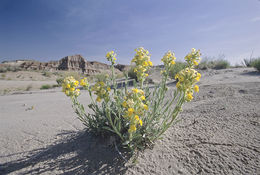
(51, 29)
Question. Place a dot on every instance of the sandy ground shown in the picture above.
(16, 82)
(218, 133)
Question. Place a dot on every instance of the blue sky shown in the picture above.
(51, 29)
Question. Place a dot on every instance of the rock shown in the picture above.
(123, 67)
(68, 63)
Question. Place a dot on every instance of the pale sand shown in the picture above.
(218, 133)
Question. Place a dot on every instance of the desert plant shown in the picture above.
(213, 64)
(56, 85)
(59, 81)
(46, 86)
(3, 69)
(131, 74)
(119, 75)
(46, 74)
(205, 64)
(135, 117)
(13, 68)
(221, 64)
(101, 77)
(74, 74)
(248, 62)
(177, 67)
(256, 64)
(29, 87)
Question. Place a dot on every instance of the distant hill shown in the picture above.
(68, 63)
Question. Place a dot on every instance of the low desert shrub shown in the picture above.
(205, 64)
(55, 85)
(46, 86)
(59, 81)
(13, 68)
(248, 62)
(131, 74)
(74, 74)
(213, 64)
(3, 69)
(28, 88)
(101, 77)
(135, 117)
(10, 69)
(46, 74)
(221, 64)
(256, 64)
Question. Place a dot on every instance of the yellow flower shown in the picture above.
(176, 76)
(142, 97)
(108, 88)
(132, 128)
(67, 92)
(178, 85)
(98, 99)
(124, 104)
(68, 86)
(141, 92)
(189, 96)
(145, 64)
(141, 122)
(198, 76)
(72, 89)
(146, 75)
(196, 88)
(142, 62)
(130, 111)
(135, 90)
(76, 83)
(172, 62)
(84, 82)
(195, 63)
(137, 118)
(145, 107)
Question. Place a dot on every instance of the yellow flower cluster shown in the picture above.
(187, 78)
(193, 58)
(101, 90)
(111, 56)
(135, 107)
(69, 86)
(143, 63)
(168, 59)
(84, 83)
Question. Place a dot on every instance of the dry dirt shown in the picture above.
(218, 133)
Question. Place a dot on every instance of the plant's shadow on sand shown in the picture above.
(79, 153)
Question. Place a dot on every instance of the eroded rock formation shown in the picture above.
(68, 63)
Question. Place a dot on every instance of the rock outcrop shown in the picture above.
(68, 63)
(123, 67)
